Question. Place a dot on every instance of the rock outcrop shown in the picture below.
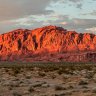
(42, 43)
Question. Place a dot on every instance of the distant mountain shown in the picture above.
(49, 43)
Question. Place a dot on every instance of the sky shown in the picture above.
(78, 15)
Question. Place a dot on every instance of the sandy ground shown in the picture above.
(37, 82)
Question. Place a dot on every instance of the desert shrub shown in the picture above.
(29, 68)
(64, 70)
(41, 74)
(48, 68)
(31, 89)
(16, 94)
(6, 70)
(16, 71)
(53, 76)
(28, 77)
(83, 82)
(94, 90)
(89, 75)
(58, 87)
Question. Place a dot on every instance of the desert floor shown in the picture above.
(69, 80)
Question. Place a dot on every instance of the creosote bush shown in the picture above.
(42, 74)
(16, 71)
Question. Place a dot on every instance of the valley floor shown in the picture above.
(69, 80)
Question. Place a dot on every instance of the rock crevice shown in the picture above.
(52, 39)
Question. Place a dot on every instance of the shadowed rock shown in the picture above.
(23, 44)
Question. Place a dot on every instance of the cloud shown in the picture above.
(79, 6)
(63, 23)
(84, 23)
(93, 13)
(34, 21)
(75, 1)
(54, 19)
(11, 9)
(36, 13)
(30, 20)
(79, 25)
(93, 29)
(78, 3)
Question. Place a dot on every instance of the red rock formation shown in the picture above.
(22, 44)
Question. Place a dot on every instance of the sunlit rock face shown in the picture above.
(25, 44)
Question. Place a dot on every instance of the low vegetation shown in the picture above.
(47, 79)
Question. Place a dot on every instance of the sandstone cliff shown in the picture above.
(25, 44)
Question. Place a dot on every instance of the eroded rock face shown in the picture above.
(51, 39)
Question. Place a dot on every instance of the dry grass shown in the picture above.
(35, 78)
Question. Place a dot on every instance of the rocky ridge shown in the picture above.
(58, 43)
